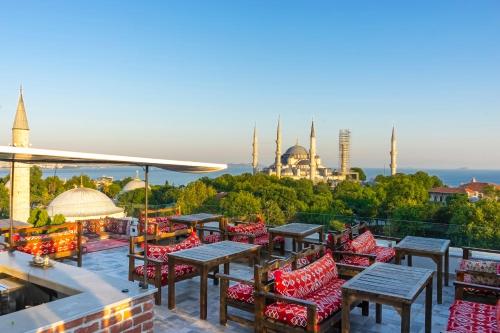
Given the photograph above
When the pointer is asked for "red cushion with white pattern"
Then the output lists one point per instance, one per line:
(160, 252)
(180, 271)
(384, 254)
(212, 238)
(328, 300)
(364, 243)
(49, 243)
(472, 317)
(306, 280)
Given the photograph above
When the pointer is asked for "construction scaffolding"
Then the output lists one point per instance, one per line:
(344, 151)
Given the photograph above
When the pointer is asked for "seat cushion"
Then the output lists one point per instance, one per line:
(328, 300)
(212, 238)
(180, 271)
(304, 281)
(364, 243)
(472, 317)
(160, 252)
(383, 253)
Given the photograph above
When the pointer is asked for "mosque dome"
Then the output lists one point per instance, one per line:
(297, 151)
(134, 184)
(83, 203)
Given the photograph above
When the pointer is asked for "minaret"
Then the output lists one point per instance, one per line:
(394, 152)
(312, 154)
(277, 162)
(255, 151)
(21, 182)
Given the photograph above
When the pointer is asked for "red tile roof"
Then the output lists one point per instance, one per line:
(447, 190)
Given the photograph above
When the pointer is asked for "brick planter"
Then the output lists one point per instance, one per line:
(126, 317)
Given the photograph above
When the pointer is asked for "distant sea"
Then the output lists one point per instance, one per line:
(451, 177)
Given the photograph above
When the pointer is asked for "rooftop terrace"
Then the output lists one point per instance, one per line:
(185, 317)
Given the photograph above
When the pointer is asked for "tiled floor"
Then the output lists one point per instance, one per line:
(185, 318)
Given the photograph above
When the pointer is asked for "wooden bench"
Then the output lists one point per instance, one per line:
(281, 306)
(467, 316)
(63, 241)
(157, 269)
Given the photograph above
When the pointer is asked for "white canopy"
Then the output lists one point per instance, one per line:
(35, 155)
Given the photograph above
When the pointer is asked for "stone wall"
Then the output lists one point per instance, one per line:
(127, 317)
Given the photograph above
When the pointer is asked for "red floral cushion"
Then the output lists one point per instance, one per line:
(117, 226)
(306, 280)
(384, 254)
(256, 229)
(212, 238)
(180, 271)
(160, 252)
(364, 243)
(328, 300)
(50, 243)
(472, 317)
(481, 266)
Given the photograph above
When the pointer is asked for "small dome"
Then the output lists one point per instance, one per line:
(81, 203)
(296, 150)
(134, 184)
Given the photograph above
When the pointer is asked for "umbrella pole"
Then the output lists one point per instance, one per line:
(11, 227)
(146, 181)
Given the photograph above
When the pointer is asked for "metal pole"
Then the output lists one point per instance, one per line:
(11, 229)
(146, 181)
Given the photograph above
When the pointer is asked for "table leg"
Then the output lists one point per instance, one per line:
(398, 257)
(439, 279)
(294, 245)
(405, 318)
(446, 266)
(200, 232)
(226, 268)
(203, 292)
(321, 236)
(171, 283)
(428, 307)
(346, 312)
(300, 244)
(270, 246)
(378, 313)
(410, 260)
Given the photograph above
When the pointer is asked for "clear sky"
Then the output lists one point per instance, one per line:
(188, 79)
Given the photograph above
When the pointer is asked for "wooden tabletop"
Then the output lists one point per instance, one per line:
(195, 218)
(296, 229)
(393, 282)
(220, 251)
(424, 245)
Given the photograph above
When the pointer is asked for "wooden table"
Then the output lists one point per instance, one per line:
(205, 258)
(389, 284)
(296, 231)
(191, 221)
(433, 248)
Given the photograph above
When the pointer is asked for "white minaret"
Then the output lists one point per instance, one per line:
(255, 151)
(312, 154)
(20, 184)
(394, 152)
(277, 161)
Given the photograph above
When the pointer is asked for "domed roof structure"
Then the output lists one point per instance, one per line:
(134, 184)
(296, 150)
(83, 203)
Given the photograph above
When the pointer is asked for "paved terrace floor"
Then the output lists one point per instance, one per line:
(185, 318)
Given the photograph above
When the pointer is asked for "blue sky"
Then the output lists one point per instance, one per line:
(188, 79)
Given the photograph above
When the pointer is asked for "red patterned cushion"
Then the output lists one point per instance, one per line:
(180, 271)
(255, 229)
(472, 317)
(481, 266)
(364, 243)
(328, 300)
(117, 226)
(384, 254)
(160, 252)
(212, 238)
(308, 279)
(50, 243)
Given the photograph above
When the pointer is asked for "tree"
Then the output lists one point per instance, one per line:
(360, 172)
(38, 189)
(4, 201)
(77, 181)
(39, 217)
(240, 204)
(111, 190)
(194, 195)
(362, 200)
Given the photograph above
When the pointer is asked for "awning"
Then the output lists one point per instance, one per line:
(35, 155)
